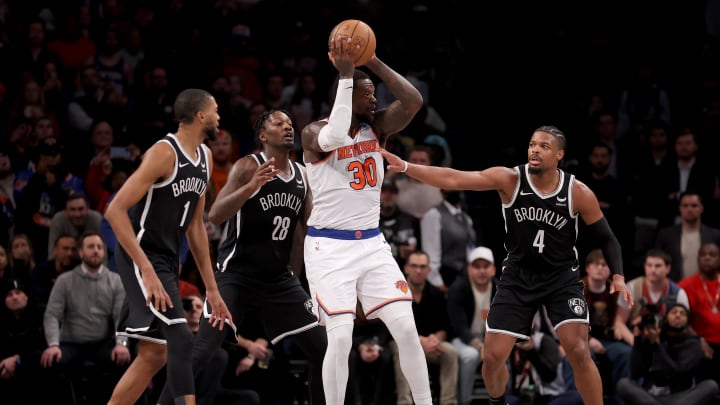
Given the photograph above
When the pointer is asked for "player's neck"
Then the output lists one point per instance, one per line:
(546, 181)
(189, 139)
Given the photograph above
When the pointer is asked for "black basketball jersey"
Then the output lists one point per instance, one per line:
(161, 218)
(257, 239)
(541, 230)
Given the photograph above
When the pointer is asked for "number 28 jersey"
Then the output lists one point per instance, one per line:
(162, 217)
(541, 229)
(257, 240)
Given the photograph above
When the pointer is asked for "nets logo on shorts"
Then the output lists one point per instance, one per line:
(577, 305)
(309, 307)
(402, 286)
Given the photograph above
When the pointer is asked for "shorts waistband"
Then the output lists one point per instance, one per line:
(343, 234)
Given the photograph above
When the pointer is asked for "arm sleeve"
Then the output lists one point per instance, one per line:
(332, 135)
(609, 244)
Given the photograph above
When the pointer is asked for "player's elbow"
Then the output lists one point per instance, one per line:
(214, 217)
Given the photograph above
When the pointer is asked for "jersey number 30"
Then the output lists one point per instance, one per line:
(539, 241)
(364, 173)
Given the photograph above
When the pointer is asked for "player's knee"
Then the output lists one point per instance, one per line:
(180, 342)
(578, 352)
(152, 354)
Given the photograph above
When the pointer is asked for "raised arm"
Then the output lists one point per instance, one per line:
(408, 100)
(244, 179)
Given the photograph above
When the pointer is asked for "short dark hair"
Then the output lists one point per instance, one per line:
(357, 76)
(660, 254)
(554, 131)
(188, 103)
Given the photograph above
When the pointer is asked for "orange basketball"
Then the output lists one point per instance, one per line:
(361, 33)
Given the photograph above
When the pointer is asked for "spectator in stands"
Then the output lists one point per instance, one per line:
(666, 358)
(75, 220)
(468, 305)
(80, 328)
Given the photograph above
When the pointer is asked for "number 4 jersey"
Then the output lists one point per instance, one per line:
(162, 217)
(256, 241)
(541, 229)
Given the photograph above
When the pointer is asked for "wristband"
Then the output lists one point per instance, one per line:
(250, 356)
(405, 167)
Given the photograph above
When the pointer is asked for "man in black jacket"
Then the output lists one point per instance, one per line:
(665, 360)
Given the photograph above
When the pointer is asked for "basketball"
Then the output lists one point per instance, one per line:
(361, 33)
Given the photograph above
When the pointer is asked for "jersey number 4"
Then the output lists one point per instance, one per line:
(539, 241)
(364, 173)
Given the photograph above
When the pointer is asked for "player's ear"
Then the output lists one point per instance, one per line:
(561, 154)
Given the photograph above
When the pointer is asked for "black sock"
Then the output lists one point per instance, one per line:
(497, 401)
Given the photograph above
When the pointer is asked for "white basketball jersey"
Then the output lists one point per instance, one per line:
(346, 184)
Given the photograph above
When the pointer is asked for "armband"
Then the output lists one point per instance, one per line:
(609, 245)
(332, 135)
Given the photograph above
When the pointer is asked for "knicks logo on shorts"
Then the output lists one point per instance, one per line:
(309, 307)
(402, 286)
(577, 305)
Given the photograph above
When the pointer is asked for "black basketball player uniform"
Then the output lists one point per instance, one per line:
(252, 264)
(541, 267)
(160, 221)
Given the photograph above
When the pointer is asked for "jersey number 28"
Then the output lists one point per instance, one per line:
(282, 225)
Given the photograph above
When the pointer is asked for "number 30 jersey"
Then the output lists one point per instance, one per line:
(541, 229)
(256, 241)
(346, 184)
(162, 217)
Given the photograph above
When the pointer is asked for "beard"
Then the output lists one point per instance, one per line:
(210, 132)
(600, 170)
(534, 170)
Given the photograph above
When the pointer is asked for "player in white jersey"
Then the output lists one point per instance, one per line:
(346, 256)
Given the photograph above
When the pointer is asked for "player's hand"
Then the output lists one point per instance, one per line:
(156, 294)
(259, 349)
(264, 173)
(618, 284)
(395, 164)
(342, 55)
(220, 311)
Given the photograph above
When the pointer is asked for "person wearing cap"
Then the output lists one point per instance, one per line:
(469, 301)
(21, 343)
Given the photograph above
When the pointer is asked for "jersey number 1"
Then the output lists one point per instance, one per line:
(539, 241)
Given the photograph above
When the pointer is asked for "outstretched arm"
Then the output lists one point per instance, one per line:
(498, 178)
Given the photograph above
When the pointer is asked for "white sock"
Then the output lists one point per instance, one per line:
(412, 357)
(335, 365)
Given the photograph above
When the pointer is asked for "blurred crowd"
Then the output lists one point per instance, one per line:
(87, 86)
